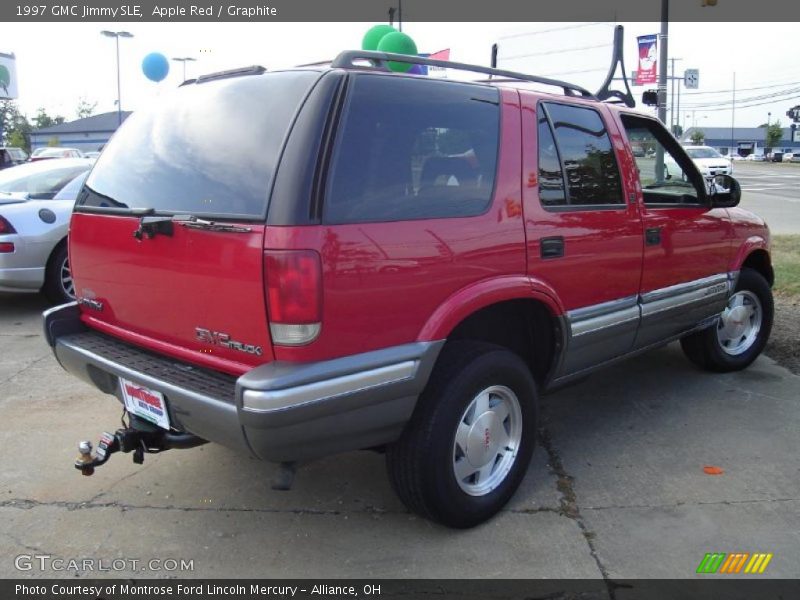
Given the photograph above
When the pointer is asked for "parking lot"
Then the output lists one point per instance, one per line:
(773, 191)
(617, 489)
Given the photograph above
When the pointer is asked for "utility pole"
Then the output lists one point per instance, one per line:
(662, 62)
(733, 113)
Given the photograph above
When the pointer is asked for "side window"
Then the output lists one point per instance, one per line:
(551, 177)
(659, 158)
(413, 149)
(586, 154)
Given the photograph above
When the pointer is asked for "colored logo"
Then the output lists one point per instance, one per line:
(735, 562)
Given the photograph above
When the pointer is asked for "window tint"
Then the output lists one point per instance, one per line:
(663, 180)
(413, 149)
(551, 178)
(205, 149)
(587, 155)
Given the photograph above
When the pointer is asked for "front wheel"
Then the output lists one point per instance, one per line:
(742, 331)
(470, 440)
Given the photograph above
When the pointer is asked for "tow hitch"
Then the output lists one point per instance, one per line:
(140, 438)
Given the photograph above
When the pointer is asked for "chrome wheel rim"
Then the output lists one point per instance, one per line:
(740, 323)
(487, 440)
(65, 276)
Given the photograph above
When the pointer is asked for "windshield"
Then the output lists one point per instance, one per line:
(41, 177)
(207, 149)
(703, 153)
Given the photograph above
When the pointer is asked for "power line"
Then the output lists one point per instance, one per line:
(747, 105)
(775, 96)
(760, 87)
(541, 31)
(558, 51)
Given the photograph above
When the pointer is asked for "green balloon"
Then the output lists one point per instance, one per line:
(398, 43)
(374, 35)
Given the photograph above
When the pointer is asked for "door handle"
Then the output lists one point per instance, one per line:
(652, 236)
(551, 247)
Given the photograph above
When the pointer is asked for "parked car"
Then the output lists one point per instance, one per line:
(710, 162)
(791, 157)
(33, 228)
(753, 157)
(56, 152)
(11, 156)
(241, 297)
(93, 154)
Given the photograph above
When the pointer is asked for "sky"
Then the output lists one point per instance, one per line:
(58, 64)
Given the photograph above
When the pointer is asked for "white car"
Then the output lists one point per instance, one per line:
(710, 162)
(36, 201)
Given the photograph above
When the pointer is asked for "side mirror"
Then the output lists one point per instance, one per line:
(724, 191)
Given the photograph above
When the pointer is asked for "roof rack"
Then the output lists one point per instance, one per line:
(346, 60)
(251, 70)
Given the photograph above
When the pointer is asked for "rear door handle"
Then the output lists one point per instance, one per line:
(652, 236)
(551, 247)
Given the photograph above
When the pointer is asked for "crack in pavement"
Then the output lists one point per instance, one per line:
(25, 368)
(19, 542)
(696, 503)
(569, 506)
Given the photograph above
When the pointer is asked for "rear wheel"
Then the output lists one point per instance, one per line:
(742, 330)
(58, 285)
(469, 443)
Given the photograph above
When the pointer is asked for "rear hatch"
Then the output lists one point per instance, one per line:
(166, 242)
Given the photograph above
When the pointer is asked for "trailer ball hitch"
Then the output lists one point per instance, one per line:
(140, 438)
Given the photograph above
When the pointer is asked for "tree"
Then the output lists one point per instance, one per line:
(17, 140)
(773, 134)
(42, 119)
(698, 137)
(85, 108)
(14, 125)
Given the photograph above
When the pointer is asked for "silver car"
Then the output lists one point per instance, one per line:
(36, 201)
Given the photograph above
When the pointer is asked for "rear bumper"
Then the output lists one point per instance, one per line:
(278, 411)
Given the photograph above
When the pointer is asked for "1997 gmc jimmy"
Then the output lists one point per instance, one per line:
(316, 260)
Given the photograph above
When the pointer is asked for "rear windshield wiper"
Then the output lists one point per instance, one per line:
(193, 222)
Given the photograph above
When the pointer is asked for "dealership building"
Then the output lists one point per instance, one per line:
(84, 134)
(741, 140)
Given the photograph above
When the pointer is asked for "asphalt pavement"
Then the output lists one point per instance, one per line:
(617, 489)
(771, 190)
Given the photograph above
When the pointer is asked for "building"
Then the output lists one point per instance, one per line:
(84, 134)
(746, 140)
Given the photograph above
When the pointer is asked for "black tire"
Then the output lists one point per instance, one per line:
(704, 348)
(421, 463)
(54, 285)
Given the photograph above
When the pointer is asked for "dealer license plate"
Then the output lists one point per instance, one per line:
(145, 403)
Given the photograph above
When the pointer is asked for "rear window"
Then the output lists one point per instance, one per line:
(206, 149)
(413, 149)
(41, 179)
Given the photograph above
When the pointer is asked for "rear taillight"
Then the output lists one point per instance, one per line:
(5, 226)
(6, 247)
(293, 280)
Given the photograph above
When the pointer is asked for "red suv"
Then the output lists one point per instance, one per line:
(316, 260)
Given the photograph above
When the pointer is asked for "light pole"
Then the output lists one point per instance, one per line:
(116, 35)
(766, 134)
(184, 60)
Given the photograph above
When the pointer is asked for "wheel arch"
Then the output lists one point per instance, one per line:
(754, 254)
(517, 313)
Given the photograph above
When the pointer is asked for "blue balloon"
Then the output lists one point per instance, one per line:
(155, 66)
(417, 70)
